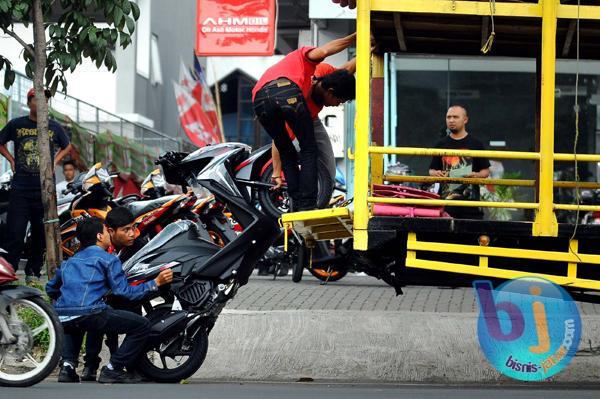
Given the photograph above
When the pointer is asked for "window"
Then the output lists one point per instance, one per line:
(142, 44)
(156, 76)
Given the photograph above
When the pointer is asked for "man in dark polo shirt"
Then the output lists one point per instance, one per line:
(453, 166)
(281, 98)
(25, 204)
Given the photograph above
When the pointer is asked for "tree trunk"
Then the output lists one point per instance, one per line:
(51, 226)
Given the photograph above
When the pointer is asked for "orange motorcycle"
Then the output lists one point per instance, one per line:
(92, 199)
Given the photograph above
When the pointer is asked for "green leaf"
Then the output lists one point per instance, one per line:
(135, 10)
(114, 35)
(54, 85)
(29, 70)
(130, 24)
(9, 78)
(118, 16)
(126, 7)
(124, 40)
(99, 57)
(49, 74)
(4, 5)
(108, 61)
(92, 36)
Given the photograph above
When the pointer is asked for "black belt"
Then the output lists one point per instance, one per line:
(281, 82)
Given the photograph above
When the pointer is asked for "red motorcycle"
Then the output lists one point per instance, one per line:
(31, 336)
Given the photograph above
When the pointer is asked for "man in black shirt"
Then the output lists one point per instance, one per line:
(25, 204)
(451, 166)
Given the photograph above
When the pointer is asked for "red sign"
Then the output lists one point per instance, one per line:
(235, 27)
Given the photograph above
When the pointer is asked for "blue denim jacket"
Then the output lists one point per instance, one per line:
(83, 280)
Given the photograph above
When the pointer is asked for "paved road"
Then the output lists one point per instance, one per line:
(286, 391)
(357, 293)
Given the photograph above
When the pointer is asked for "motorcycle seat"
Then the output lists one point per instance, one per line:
(140, 207)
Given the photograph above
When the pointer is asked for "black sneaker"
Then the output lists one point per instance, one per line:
(88, 374)
(67, 374)
(108, 376)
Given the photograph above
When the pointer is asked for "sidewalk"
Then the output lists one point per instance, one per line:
(357, 330)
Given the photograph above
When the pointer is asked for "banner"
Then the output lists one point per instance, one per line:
(193, 120)
(203, 95)
(235, 27)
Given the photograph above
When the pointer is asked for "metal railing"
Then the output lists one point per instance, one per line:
(95, 120)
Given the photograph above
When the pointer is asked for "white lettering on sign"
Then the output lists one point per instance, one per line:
(237, 21)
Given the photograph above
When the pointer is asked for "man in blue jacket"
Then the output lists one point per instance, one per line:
(79, 287)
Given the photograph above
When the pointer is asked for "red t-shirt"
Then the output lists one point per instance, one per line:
(295, 66)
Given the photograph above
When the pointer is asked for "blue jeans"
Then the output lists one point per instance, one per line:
(135, 327)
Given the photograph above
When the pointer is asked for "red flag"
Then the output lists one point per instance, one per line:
(194, 120)
(201, 92)
(199, 121)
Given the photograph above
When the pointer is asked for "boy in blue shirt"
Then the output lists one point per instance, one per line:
(79, 287)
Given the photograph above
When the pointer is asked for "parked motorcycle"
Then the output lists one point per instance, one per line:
(93, 198)
(590, 197)
(206, 275)
(31, 336)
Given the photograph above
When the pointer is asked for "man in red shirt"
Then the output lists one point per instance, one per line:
(283, 96)
(325, 155)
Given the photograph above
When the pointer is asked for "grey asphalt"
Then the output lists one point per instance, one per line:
(287, 391)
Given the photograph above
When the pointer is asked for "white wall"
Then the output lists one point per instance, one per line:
(96, 86)
(220, 67)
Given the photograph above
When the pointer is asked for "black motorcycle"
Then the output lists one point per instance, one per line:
(206, 275)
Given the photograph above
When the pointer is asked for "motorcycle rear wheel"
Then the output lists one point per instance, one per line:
(158, 367)
(276, 202)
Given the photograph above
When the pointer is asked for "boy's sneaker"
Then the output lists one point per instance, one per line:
(67, 373)
(108, 376)
(88, 374)
(32, 280)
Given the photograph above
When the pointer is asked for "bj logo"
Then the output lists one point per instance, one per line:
(518, 335)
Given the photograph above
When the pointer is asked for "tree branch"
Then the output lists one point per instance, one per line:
(21, 42)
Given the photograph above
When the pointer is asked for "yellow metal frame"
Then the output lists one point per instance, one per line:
(320, 224)
(549, 11)
(368, 157)
(573, 258)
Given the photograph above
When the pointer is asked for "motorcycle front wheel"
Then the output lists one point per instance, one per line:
(36, 349)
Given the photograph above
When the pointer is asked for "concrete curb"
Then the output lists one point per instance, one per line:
(359, 346)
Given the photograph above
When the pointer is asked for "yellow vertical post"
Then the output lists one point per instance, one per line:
(363, 129)
(545, 220)
(572, 266)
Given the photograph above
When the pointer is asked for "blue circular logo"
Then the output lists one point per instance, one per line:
(529, 328)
